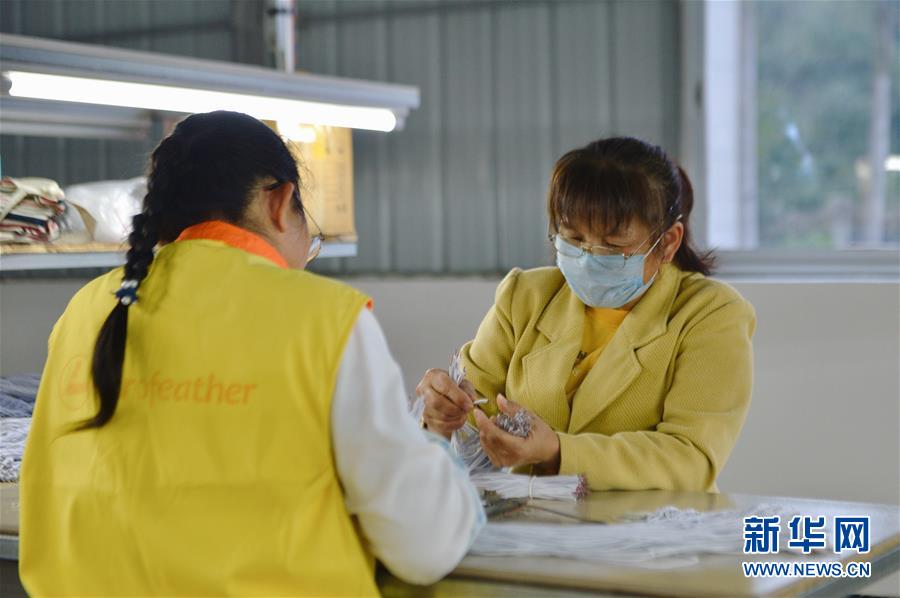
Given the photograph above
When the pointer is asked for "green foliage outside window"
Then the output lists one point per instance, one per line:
(816, 66)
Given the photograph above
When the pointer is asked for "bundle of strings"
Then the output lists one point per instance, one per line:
(465, 440)
(669, 537)
(551, 487)
(518, 424)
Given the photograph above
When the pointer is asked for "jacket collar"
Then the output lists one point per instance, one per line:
(564, 315)
(233, 236)
(649, 318)
(563, 322)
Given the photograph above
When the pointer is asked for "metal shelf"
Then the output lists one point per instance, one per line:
(33, 117)
(12, 262)
(9, 547)
(47, 118)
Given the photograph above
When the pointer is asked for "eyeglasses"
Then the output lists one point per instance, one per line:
(617, 259)
(316, 240)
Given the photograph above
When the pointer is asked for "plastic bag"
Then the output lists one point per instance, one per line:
(107, 207)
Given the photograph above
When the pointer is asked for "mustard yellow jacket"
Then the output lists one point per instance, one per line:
(662, 407)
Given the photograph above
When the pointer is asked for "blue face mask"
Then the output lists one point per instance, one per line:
(602, 280)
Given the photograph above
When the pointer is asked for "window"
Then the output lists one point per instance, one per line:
(802, 127)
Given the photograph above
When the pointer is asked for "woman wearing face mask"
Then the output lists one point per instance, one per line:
(635, 367)
(214, 420)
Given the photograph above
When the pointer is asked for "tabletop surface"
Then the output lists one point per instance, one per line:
(9, 508)
(712, 575)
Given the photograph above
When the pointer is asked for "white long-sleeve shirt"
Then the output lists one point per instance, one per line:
(412, 496)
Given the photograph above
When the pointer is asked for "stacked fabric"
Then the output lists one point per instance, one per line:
(17, 395)
(13, 433)
(30, 210)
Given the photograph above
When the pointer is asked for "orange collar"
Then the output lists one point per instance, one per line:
(234, 236)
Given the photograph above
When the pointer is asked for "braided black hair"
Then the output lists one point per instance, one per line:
(208, 168)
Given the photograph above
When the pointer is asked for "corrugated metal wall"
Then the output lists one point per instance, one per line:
(507, 87)
(213, 29)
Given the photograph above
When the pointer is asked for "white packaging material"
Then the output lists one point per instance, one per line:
(108, 206)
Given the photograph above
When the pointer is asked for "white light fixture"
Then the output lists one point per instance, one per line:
(191, 100)
(892, 163)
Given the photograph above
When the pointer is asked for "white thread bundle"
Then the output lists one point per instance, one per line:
(465, 440)
(13, 432)
(510, 485)
(457, 369)
(9, 469)
(669, 537)
(518, 424)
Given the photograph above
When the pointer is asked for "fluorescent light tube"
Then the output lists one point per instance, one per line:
(188, 100)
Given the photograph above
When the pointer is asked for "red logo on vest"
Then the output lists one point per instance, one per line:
(73, 383)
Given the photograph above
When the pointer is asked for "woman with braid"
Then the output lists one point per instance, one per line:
(212, 419)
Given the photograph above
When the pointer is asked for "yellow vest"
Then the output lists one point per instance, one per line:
(215, 475)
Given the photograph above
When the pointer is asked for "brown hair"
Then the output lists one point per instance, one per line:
(609, 182)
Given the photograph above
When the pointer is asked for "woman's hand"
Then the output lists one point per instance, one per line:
(541, 448)
(446, 404)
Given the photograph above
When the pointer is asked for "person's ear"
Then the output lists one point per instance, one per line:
(671, 241)
(280, 205)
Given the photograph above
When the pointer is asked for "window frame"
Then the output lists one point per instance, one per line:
(698, 145)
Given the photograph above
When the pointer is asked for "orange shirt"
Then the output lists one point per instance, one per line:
(600, 325)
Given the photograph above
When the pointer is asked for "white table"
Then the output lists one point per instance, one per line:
(713, 575)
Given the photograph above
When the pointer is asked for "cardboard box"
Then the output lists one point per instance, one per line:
(325, 160)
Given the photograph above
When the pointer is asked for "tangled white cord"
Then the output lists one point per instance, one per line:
(669, 537)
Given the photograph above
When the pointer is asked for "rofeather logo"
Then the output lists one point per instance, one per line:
(73, 383)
